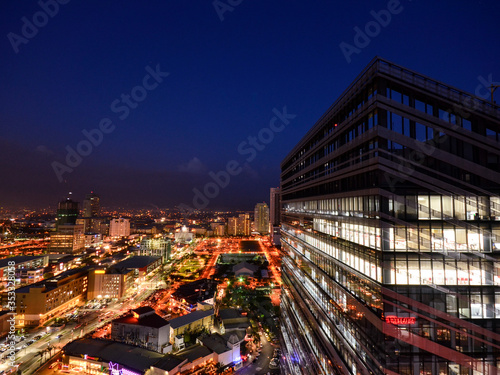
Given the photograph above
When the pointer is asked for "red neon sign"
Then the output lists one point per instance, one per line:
(399, 320)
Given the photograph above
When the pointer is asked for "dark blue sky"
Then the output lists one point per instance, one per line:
(225, 79)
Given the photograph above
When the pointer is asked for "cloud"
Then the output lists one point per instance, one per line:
(194, 166)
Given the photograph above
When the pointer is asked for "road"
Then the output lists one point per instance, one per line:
(30, 359)
(261, 365)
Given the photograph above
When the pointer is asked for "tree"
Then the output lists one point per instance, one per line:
(219, 368)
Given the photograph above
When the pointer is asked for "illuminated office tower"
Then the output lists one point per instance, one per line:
(391, 225)
(67, 212)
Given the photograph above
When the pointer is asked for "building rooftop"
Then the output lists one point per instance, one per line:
(53, 282)
(136, 262)
(196, 291)
(143, 310)
(229, 314)
(190, 318)
(245, 265)
(194, 352)
(215, 342)
(150, 320)
(18, 259)
(129, 356)
(169, 362)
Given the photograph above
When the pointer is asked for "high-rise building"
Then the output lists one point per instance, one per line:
(275, 216)
(91, 205)
(261, 218)
(391, 223)
(275, 207)
(119, 227)
(67, 212)
(232, 226)
(239, 226)
(244, 225)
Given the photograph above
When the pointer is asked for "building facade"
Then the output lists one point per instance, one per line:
(161, 247)
(144, 328)
(119, 227)
(68, 239)
(67, 212)
(391, 224)
(110, 283)
(261, 218)
(91, 205)
(39, 302)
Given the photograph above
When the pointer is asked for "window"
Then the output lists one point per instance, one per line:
(420, 132)
(420, 106)
(466, 124)
(396, 123)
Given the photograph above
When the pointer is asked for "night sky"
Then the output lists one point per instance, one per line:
(230, 71)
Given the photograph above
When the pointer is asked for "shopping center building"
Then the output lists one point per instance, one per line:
(391, 223)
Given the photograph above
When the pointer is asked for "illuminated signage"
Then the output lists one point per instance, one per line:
(114, 370)
(400, 320)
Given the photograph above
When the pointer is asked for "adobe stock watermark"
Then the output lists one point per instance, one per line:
(30, 28)
(249, 148)
(122, 107)
(363, 37)
(416, 157)
(223, 6)
(11, 305)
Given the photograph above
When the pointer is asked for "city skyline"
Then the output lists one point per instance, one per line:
(217, 87)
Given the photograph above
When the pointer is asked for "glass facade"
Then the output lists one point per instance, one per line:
(391, 229)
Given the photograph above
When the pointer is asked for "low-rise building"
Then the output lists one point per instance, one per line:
(4, 322)
(19, 263)
(110, 283)
(191, 322)
(143, 327)
(29, 275)
(232, 320)
(140, 265)
(226, 349)
(68, 239)
(37, 303)
(189, 295)
(97, 357)
(245, 269)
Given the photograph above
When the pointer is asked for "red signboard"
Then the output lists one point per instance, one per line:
(400, 320)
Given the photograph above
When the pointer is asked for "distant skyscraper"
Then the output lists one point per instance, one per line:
(275, 216)
(119, 227)
(232, 226)
(239, 226)
(244, 225)
(91, 205)
(275, 207)
(67, 211)
(261, 218)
